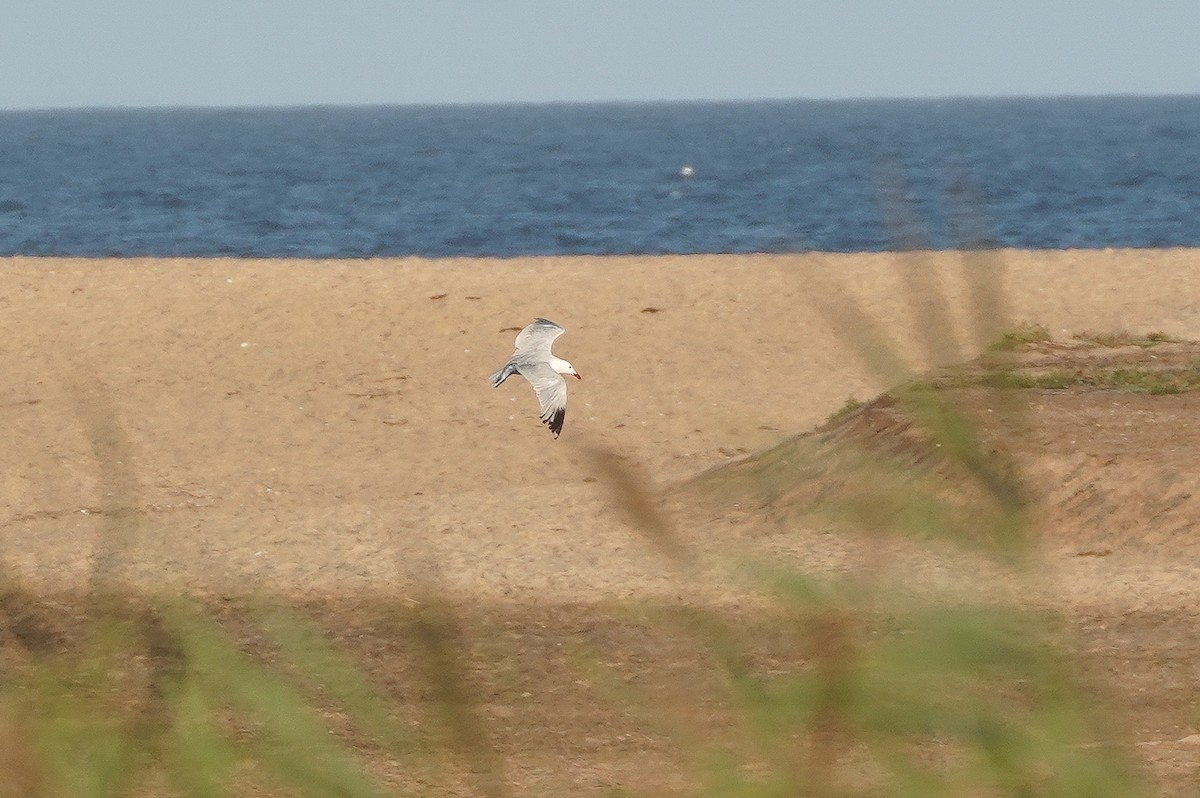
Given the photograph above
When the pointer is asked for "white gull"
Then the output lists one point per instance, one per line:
(533, 360)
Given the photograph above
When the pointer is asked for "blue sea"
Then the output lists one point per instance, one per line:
(777, 176)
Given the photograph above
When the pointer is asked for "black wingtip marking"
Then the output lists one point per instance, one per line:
(555, 422)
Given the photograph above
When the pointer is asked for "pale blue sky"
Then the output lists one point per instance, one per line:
(69, 53)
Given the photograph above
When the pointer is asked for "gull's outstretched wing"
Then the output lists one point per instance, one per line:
(551, 390)
(538, 337)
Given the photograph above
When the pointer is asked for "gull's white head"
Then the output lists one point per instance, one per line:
(563, 367)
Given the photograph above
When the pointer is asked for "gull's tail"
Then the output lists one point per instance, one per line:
(502, 375)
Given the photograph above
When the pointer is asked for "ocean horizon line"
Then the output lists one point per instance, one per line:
(571, 103)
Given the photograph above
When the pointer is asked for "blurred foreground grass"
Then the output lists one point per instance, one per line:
(895, 688)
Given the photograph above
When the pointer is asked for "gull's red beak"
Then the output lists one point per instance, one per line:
(578, 376)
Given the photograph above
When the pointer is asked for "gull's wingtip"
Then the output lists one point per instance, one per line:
(555, 421)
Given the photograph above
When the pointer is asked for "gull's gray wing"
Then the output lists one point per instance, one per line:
(538, 337)
(551, 390)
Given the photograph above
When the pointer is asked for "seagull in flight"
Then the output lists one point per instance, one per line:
(533, 360)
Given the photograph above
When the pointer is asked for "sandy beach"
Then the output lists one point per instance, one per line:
(301, 425)
(323, 430)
